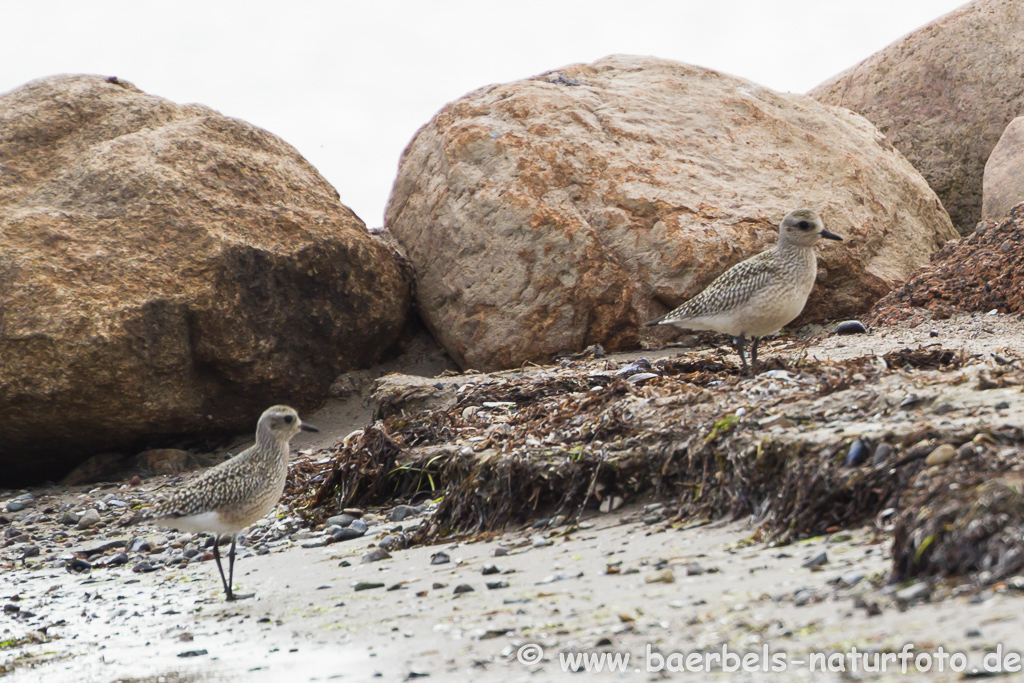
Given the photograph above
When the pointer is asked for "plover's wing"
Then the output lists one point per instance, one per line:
(732, 288)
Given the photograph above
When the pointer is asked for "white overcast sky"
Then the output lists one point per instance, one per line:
(349, 83)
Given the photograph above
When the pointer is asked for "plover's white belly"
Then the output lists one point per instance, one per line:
(211, 522)
(766, 312)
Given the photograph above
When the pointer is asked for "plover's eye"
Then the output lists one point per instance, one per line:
(288, 419)
(803, 225)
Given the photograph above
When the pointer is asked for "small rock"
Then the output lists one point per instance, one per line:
(967, 450)
(463, 588)
(440, 558)
(144, 567)
(919, 591)
(940, 455)
(192, 653)
(344, 563)
(802, 597)
(860, 451)
(777, 421)
(29, 551)
(500, 552)
(340, 520)
(489, 569)
(541, 542)
(851, 327)
(695, 569)
(818, 560)
(873, 609)
(88, 519)
(973, 633)
(78, 565)
(851, 579)
(394, 542)
(324, 540)
(15, 506)
(402, 512)
(495, 585)
(70, 518)
(359, 525)
(346, 534)
(662, 576)
(11, 609)
(944, 408)
(1002, 405)
(136, 480)
(882, 454)
(367, 585)
(376, 555)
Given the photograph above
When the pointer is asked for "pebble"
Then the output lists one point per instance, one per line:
(495, 585)
(440, 558)
(366, 585)
(973, 633)
(88, 519)
(940, 455)
(78, 565)
(346, 534)
(375, 555)
(489, 569)
(340, 520)
(70, 518)
(662, 576)
(802, 597)
(395, 541)
(851, 579)
(464, 588)
(359, 525)
(15, 506)
(1002, 405)
(402, 512)
(882, 454)
(967, 450)
(541, 542)
(817, 561)
(851, 327)
(944, 408)
(192, 653)
(324, 540)
(919, 591)
(860, 451)
(30, 551)
(500, 552)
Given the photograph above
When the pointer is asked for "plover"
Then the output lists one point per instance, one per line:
(236, 493)
(759, 296)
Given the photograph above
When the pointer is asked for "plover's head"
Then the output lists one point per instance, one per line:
(281, 423)
(804, 228)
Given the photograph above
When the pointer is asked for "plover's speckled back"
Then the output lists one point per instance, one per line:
(759, 296)
(236, 493)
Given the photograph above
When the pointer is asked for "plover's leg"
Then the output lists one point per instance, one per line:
(216, 556)
(231, 566)
(738, 343)
(753, 354)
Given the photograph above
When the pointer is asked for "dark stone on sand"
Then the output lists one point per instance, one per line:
(346, 534)
(851, 327)
(463, 588)
(440, 558)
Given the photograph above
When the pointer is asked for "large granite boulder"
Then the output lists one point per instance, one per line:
(548, 214)
(166, 270)
(1003, 186)
(943, 95)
